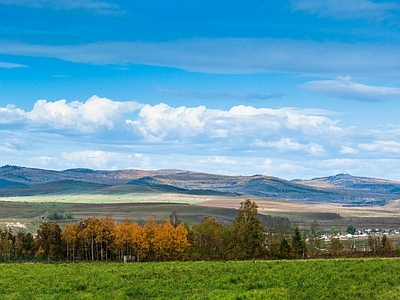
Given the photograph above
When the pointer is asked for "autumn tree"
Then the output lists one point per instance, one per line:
(88, 234)
(174, 241)
(70, 236)
(164, 241)
(105, 229)
(130, 241)
(247, 233)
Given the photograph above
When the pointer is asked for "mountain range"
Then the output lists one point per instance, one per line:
(340, 189)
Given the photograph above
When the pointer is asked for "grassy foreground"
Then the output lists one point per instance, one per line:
(312, 279)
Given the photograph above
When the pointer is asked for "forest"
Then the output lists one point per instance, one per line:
(245, 238)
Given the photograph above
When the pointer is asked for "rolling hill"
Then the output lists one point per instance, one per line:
(340, 189)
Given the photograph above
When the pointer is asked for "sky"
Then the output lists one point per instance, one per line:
(291, 88)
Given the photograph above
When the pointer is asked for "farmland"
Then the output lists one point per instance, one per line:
(28, 194)
(300, 279)
(28, 210)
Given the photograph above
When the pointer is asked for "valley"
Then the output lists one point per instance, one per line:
(26, 195)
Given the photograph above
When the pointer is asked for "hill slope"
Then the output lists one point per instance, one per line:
(341, 188)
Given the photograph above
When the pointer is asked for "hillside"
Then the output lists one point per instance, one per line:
(348, 182)
(340, 189)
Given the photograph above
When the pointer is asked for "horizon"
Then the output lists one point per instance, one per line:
(191, 171)
(293, 89)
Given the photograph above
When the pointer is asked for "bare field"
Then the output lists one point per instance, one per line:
(28, 210)
(327, 215)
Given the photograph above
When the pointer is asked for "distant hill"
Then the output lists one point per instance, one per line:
(340, 189)
(348, 182)
(6, 183)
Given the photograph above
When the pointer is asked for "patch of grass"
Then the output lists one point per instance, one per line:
(314, 279)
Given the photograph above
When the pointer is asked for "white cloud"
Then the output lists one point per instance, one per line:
(344, 87)
(348, 150)
(8, 65)
(95, 113)
(103, 159)
(344, 9)
(219, 160)
(381, 146)
(162, 122)
(284, 142)
(11, 114)
(288, 144)
(158, 121)
(226, 55)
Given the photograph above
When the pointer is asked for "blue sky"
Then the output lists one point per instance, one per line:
(291, 88)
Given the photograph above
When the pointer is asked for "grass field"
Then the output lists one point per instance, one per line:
(107, 198)
(312, 279)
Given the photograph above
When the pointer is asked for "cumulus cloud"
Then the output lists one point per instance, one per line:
(344, 87)
(243, 139)
(226, 55)
(8, 65)
(94, 114)
(162, 122)
(11, 115)
(344, 9)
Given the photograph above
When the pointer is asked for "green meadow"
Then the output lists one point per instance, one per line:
(298, 279)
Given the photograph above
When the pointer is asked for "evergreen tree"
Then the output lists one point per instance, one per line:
(298, 244)
(284, 249)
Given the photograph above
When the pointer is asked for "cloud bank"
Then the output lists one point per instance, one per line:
(103, 133)
(226, 55)
(344, 87)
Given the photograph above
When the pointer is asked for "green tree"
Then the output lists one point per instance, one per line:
(334, 231)
(277, 229)
(351, 229)
(209, 239)
(298, 244)
(247, 233)
(284, 249)
(49, 239)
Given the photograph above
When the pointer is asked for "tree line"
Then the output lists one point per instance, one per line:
(246, 237)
